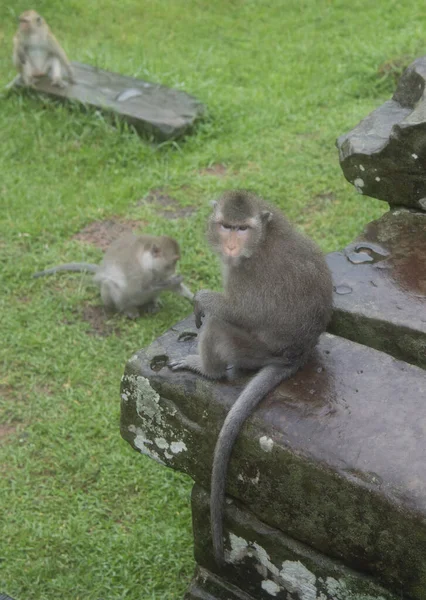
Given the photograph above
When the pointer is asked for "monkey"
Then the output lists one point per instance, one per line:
(36, 52)
(133, 272)
(276, 302)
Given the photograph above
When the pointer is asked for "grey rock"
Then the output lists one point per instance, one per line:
(265, 562)
(151, 108)
(324, 458)
(206, 586)
(380, 286)
(384, 156)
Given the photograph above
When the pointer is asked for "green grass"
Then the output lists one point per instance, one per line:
(84, 516)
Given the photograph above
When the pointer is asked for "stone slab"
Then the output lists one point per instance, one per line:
(206, 586)
(265, 563)
(151, 108)
(384, 156)
(335, 457)
(380, 286)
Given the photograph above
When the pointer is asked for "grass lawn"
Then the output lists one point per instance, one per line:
(83, 516)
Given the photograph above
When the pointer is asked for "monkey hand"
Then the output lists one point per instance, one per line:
(175, 280)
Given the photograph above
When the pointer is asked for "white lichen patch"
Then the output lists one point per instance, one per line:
(415, 156)
(297, 579)
(362, 167)
(422, 203)
(125, 397)
(377, 179)
(255, 480)
(177, 447)
(270, 587)
(142, 443)
(266, 443)
(239, 548)
(264, 559)
(161, 443)
(359, 184)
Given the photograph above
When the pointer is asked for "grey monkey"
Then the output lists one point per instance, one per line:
(36, 52)
(276, 302)
(133, 272)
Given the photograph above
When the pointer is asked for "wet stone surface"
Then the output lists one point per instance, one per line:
(380, 286)
(384, 156)
(266, 563)
(152, 109)
(324, 458)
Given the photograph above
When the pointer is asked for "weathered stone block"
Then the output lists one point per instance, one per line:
(384, 156)
(152, 109)
(334, 457)
(266, 563)
(206, 586)
(380, 286)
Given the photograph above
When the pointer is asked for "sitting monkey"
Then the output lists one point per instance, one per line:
(276, 302)
(36, 52)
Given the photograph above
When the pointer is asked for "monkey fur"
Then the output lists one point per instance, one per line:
(133, 272)
(276, 302)
(36, 52)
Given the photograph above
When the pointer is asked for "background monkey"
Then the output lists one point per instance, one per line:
(277, 300)
(36, 52)
(133, 272)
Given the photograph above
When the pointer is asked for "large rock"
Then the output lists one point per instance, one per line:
(384, 156)
(335, 457)
(151, 108)
(380, 286)
(264, 562)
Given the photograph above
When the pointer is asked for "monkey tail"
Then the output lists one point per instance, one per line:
(78, 267)
(261, 384)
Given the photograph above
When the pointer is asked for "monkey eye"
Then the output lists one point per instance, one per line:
(242, 227)
(226, 227)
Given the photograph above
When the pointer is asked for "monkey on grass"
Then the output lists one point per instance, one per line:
(36, 52)
(133, 272)
(276, 302)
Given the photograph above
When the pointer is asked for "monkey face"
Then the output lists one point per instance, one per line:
(233, 239)
(29, 21)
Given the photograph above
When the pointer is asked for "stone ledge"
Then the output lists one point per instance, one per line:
(324, 458)
(265, 563)
(206, 586)
(384, 155)
(151, 108)
(380, 287)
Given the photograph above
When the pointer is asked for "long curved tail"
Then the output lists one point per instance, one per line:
(261, 384)
(87, 267)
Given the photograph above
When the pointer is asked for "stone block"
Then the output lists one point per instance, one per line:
(151, 108)
(265, 563)
(384, 156)
(334, 457)
(380, 286)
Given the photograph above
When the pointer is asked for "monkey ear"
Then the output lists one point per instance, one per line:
(39, 20)
(155, 250)
(265, 216)
(213, 203)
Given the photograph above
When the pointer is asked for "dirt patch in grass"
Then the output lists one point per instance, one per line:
(6, 431)
(217, 170)
(102, 233)
(167, 206)
(97, 317)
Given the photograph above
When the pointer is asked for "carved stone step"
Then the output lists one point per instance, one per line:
(380, 286)
(151, 108)
(384, 156)
(335, 457)
(265, 563)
